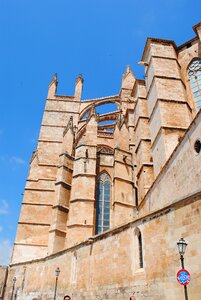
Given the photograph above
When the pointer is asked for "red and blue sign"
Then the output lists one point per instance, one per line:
(183, 276)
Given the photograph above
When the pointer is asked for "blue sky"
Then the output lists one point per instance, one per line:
(97, 38)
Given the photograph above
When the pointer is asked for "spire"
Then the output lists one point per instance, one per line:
(78, 87)
(52, 87)
(54, 79)
(128, 69)
(128, 80)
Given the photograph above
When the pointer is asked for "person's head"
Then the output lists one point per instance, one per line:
(67, 297)
(132, 298)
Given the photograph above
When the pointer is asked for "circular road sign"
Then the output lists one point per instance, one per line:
(183, 276)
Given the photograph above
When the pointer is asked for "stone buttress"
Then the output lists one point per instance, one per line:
(45, 201)
(169, 112)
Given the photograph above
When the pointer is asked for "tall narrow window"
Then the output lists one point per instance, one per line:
(136, 196)
(140, 249)
(74, 268)
(103, 203)
(194, 74)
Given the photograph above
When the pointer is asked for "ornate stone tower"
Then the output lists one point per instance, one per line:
(113, 184)
(66, 200)
(91, 170)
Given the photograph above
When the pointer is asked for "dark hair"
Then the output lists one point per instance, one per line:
(67, 297)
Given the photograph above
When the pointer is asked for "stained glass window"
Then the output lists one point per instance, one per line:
(103, 203)
(194, 74)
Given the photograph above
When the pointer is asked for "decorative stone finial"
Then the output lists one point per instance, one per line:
(54, 79)
(53, 87)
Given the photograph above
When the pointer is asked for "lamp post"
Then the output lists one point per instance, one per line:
(57, 271)
(182, 248)
(13, 288)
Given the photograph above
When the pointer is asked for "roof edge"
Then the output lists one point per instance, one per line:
(157, 41)
(196, 26)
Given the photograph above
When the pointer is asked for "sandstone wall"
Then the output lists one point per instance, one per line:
(154, 151)
(180, 177)
(107, 266)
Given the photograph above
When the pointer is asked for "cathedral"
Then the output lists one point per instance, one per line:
(113, 185)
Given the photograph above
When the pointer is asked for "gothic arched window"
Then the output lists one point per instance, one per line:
(194, 74)
(103, 203)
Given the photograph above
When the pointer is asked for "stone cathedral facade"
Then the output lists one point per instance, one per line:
(110, 192)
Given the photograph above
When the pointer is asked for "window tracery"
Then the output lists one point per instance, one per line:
(194, 75)
(103, 203)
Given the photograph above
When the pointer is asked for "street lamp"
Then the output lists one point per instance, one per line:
(182, 248)
(14, 281)
(57, 271)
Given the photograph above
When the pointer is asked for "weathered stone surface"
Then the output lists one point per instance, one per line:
(149, 161)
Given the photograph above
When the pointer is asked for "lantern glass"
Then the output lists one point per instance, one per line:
(182, 246)
(57, 271)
